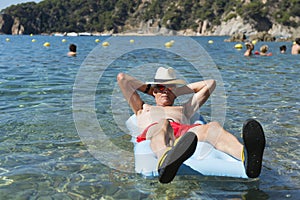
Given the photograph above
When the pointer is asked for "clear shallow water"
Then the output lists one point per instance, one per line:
(43, 157)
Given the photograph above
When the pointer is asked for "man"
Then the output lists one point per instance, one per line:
(249, 50)
(173, 140)
(282, 49)
(296, 47)
(73, 49)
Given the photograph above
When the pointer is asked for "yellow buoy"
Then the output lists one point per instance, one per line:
(254, 42)
(31, 34)
(64, 40)
(33, 40)
(168, 44)
(294, 43)
(238, 46)
(131, 41)
(210, 41)
(46, 44)
(105, 44)
(7, 39)
(97, 40)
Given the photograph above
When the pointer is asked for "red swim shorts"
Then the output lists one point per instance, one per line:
(179, 130)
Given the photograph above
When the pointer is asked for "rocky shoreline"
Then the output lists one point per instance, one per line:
(235, 28)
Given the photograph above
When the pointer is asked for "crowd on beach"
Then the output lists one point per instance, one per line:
(264, 49)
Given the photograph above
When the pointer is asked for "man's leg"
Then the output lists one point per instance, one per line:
(252, 151)
(221, 139)
(171, 154)
(184, 147)
(161, 136)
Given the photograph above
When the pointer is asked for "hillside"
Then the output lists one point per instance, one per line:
(193, 17)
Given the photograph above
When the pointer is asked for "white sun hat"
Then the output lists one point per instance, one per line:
(166, 76)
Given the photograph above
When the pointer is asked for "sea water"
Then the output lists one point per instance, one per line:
(43, 150)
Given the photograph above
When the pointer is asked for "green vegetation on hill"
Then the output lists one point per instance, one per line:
(120, 15)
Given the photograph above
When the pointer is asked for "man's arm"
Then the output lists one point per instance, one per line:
(202, 90)
(129, 86)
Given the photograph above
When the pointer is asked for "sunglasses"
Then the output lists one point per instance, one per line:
(162, 88)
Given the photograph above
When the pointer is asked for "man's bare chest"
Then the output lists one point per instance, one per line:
(151, 114)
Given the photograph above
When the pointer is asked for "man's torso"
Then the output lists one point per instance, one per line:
(296, 49)
(151, 114)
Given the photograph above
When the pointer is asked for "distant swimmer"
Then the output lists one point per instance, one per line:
(296, 47)
(72, 49)
(263, 51)
(282, 49)
(249, 50)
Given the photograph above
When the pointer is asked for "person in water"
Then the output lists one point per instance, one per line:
(72, 50)
(249, 50)
(263, 51)
(173, 139)
(282, 49)
(296, 47)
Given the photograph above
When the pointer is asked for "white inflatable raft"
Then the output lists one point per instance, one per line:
(205, 161)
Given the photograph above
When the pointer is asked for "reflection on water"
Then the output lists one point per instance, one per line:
(42, 156)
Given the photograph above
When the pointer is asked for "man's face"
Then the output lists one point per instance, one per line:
(164, 95)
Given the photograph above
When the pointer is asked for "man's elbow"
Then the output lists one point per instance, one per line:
(211, 84)
(120, 77)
